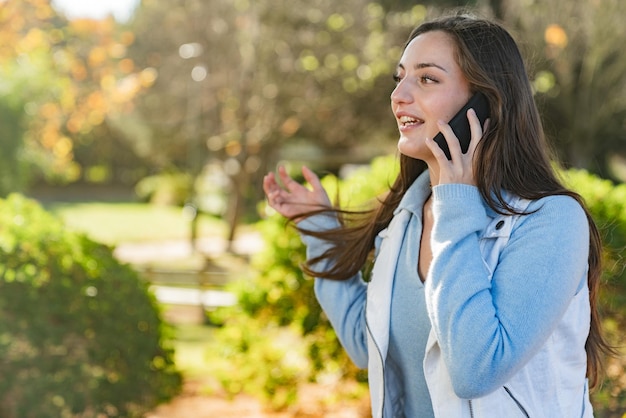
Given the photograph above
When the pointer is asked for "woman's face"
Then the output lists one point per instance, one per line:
(430, 87)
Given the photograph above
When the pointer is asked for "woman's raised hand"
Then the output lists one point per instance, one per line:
(294, 199)
(460, 169)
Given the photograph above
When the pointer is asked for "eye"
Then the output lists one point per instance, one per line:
(397, 78)
(428, 79)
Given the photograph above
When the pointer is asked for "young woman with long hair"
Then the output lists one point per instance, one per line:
(483, 296)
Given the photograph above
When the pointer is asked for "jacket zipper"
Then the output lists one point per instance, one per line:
(519, 405)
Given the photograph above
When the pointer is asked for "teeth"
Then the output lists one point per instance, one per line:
(407, 119)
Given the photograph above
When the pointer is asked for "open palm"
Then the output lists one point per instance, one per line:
(294, 199)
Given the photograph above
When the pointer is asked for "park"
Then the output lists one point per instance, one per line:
(142, 271)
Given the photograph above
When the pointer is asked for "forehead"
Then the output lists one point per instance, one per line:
(435, 47)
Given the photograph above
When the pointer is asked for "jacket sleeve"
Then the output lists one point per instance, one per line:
(343, 302)
(489, 328)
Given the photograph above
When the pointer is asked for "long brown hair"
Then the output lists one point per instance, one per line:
(512, 156)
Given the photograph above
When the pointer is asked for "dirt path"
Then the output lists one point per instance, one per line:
(315, 403)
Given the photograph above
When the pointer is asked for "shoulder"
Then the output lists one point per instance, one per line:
(559, 213)
(561, 205)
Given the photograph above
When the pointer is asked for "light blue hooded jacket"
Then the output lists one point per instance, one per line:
(507, 300)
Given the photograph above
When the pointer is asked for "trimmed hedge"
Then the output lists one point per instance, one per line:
(80, 333)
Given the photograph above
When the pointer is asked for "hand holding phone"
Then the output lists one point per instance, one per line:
(460, 124)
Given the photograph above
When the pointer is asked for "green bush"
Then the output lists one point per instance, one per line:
(607, 204)
(280, 296)
(277, 305)
(80, 334)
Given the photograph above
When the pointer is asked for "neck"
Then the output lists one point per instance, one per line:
(433, 171)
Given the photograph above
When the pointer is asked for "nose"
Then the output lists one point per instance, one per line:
(401, 93)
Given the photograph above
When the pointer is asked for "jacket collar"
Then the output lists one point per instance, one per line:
(417, 193)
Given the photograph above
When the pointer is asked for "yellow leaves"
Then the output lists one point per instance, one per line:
(84, 27)
(147, 77)
(233, 148)
(97, 56)
(96, 117)
(63, 148)
(78, 71)
(49, 136)
(18, 18)
(127, 38)
(126, 66)
(290, 126)
(34, 39)
(107, 82)
(556, 40)
(75, 123)
(96, 101)
(50, 111)
(555, 36)
(44, 11)
(117, 50)
(125, 89)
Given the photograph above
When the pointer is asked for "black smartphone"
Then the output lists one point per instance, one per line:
(460, 124)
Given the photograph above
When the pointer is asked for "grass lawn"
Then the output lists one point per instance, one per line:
(113, 223)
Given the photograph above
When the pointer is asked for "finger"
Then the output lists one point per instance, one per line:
(289, 183)
(437, 152)
(475, 129)
(487, 124)
(454, 146)
(311, 178)
(269, 182)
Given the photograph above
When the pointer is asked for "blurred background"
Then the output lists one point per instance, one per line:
(135, 135)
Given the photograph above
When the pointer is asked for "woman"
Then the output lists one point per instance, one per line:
(482, 300)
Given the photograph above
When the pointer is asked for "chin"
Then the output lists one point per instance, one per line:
(413, 149)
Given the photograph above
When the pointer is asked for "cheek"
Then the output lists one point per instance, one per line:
(446, 108)
(432, 128)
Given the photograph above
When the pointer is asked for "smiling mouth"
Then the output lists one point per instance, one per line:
(406, 121)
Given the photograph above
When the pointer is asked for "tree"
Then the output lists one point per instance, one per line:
(268, 79)
(60, 80)
(579, 76)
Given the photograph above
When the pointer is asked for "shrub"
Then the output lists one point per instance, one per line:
(278, 304)
(607, 204)
(80, 334)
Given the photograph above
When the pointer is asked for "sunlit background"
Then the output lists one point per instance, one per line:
(121, 10)
(142, 273)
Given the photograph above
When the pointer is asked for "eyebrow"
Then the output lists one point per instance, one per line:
(421, 65)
